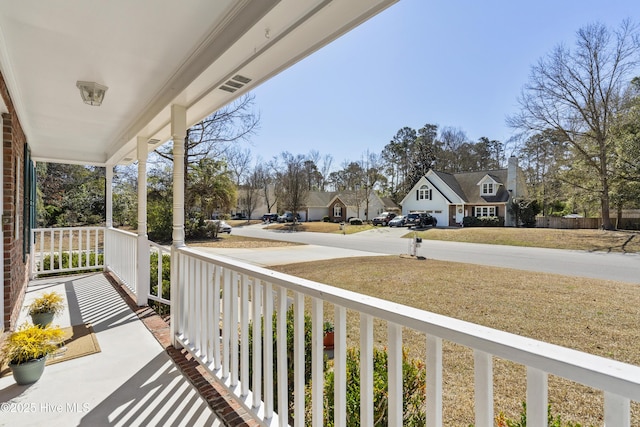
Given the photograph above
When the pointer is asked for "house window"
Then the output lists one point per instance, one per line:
(423, 193)
(337, 211)
(486, 211)
(488, 188)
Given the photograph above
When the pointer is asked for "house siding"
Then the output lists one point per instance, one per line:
(15, 274)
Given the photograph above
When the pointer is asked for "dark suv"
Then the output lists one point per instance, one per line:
(270, 217)
(420, 220)
(383, 219)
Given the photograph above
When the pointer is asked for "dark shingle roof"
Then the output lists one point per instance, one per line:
(465, 185)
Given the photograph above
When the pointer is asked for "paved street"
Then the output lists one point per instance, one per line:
(388, 241)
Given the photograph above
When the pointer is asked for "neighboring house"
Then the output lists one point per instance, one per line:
(451, 197)
(342, 205)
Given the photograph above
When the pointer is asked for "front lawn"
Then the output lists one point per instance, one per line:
(594, 316)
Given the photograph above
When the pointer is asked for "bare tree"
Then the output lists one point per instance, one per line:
(577, 93)
(214, 135)
(238, 161)
(292, 177)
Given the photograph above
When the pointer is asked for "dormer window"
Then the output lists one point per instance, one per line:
(423, 193)
(488, 186)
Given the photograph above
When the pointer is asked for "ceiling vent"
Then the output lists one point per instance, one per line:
(236, 82)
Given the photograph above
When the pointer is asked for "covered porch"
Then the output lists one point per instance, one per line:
(128, 379)
(162, 79)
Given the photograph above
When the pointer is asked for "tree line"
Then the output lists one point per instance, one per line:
(578, 143)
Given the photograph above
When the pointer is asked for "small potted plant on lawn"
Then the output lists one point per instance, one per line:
(44, 308)
(26, 350)
(328, 335)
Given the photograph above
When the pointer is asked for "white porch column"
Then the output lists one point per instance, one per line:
(142, 271)
(109, 196)
(178, 132)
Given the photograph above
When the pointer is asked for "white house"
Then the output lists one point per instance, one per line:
(451, 197)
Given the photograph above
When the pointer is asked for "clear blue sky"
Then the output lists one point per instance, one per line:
(447, 62)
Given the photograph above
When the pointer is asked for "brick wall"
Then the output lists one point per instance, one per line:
(15, 274)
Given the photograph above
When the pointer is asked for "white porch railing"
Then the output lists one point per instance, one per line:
(219, 340)
(215, 298)
(121, 256)
(65, 249)
(94, 248)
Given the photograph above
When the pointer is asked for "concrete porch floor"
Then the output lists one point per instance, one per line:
(137, 379)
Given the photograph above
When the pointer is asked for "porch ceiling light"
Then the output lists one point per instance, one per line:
(92, 93)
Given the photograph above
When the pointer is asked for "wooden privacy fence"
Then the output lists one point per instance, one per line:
(560, 222)
(587, 223)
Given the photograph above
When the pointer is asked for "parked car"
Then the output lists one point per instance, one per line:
(398, 221)
(239, 216)
(288, 217)
(270, 217)
(383, 219)
(223, 227)
(420, 220)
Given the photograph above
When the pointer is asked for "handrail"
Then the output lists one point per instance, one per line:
(66, 249)
(202, 272)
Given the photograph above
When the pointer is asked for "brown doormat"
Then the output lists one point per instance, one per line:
(79, 341)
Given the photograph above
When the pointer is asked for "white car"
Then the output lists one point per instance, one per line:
(223, 227)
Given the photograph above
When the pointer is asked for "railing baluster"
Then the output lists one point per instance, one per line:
(395, 374)
(340, 367)
(226, 322)
(434, 381)
(210, 324)
(283, 398)
(483, 367)
(617, 411)
(234, 329)
(299, 355)
(79, 252)
(244, 334)
(268, 350)
(216, 316)
(257, 343)
(317, 360)
(537, 397)
(198, 304)
(366, 369)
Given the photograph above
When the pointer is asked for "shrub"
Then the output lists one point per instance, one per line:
(325, 218)
(414, 386)
(290, 364)
(503, 421)
(355, 221)
(483, 221)
(76, 260)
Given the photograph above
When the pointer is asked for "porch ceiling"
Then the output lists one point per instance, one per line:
(151, 54)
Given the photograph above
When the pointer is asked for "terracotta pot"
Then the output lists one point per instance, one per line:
(328, 340)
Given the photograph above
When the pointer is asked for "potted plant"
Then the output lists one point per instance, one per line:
(44, 308)
(328, 335)
(26, 350)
